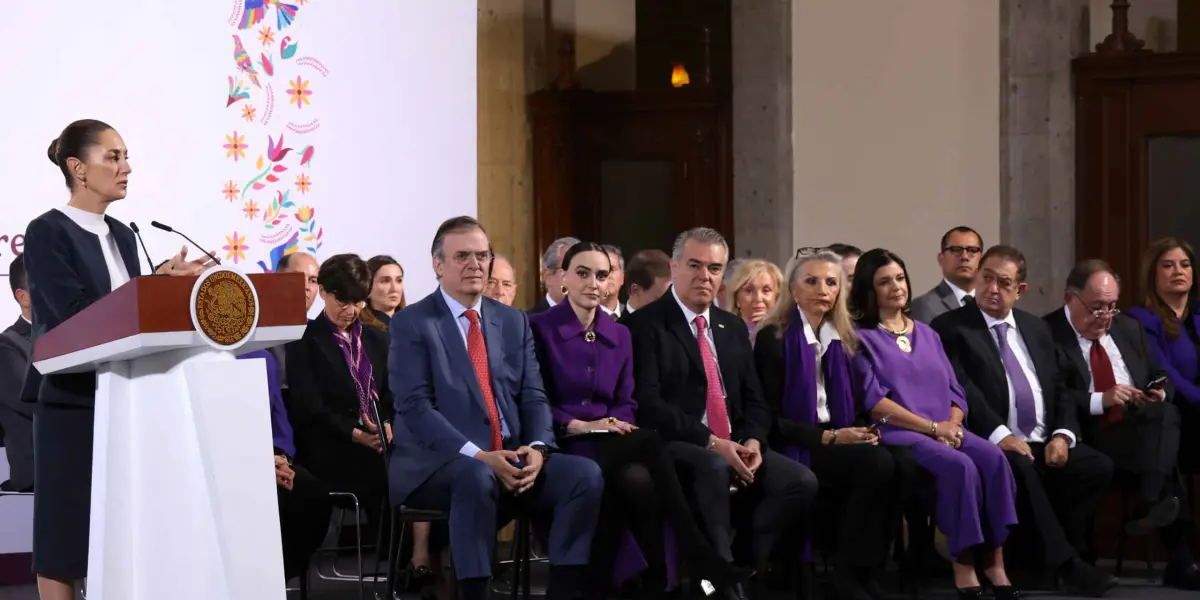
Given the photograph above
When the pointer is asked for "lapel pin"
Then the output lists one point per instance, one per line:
(720, 326)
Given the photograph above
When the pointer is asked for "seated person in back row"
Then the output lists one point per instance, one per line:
(16, 415)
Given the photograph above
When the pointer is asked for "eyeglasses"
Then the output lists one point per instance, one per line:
(462, 258)
(807, 251)
(344, 306)
(1097, 313)
(958, 250)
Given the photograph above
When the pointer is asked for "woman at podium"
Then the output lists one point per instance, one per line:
(75, 255)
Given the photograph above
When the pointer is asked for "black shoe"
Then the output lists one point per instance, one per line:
(846, 585)
(1184, 577)
(869, 579)
(419, 578)
(1006, 592)
(1082, 579)
(722, 574)
(1163, 513)
(971, 593)
(736, 591)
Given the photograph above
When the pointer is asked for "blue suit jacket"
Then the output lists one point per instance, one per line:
(439, 404)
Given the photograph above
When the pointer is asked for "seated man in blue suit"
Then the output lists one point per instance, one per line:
(473, 428)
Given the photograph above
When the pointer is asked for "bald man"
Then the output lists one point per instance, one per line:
(306, 264)
(502, 281)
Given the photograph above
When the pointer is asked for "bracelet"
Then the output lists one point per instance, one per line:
(833, 437)
(712, 442)
(932, 428)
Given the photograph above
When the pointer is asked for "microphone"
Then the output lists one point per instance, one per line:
(138, 233)
(157, 225)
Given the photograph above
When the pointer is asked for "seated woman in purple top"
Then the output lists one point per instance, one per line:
(901, 370)
(803, 359)
(1170, 314)
(303, 500)
(587, 368)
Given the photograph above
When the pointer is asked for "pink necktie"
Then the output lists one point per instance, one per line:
(714, 402)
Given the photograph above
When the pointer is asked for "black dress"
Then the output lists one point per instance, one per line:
(67, 273)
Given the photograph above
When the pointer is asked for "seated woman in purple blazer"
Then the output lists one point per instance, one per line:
(1170, 314)
(587, 367)
(901, 370)
(803, 359)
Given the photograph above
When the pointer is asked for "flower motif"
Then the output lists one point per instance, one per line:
(299, 92)
(266, 36)
(250, 209)
(248, 112)
(235, 146)
(235, 247)
(305, 214)
(303, 183)
(231, 191)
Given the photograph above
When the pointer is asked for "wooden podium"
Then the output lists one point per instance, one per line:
(183, 486)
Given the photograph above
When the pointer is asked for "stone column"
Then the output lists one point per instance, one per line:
(1038, 39)
(762, 132)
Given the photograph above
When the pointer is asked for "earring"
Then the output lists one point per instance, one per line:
(564, 290)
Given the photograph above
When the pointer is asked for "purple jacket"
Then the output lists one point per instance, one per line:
(584, 380)
(1179, 357)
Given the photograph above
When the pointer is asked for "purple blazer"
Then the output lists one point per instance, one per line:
(584, 380)
(1179, 357)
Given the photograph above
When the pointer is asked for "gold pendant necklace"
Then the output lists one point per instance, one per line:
(902, 340)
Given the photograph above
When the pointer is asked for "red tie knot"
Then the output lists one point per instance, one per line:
(701, 323)
(472, 316)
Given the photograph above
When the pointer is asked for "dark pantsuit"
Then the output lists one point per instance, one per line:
(1055, 504)
(863, 479)
(303, 519)
(567, 490)
(782, 492)
(1146, 444)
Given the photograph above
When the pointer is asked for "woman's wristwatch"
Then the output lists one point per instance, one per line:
(832, 436)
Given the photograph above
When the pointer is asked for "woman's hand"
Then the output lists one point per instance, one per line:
(856, 435)
(368, 439)
(179, 265)
(285, 477)
(576, 427)
(949, 431)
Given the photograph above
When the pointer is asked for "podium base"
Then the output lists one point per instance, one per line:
(184, 501)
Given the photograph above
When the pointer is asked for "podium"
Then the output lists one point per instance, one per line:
(183, 498)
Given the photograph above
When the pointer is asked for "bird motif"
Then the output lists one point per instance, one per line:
(286, 49)
(256, 12)
(242, 58)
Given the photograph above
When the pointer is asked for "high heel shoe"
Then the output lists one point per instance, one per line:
(419, 578)
(971, 593)
(1005, 592)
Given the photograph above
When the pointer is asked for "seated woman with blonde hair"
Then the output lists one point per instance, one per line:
(752, 292)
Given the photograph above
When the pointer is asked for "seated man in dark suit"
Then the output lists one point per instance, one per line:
(473, 427)
(1006, 361)
(16, 415)
(1134, 423)
(696, 383)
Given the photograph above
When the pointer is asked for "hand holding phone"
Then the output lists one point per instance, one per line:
(1157, 383)
(874, 428)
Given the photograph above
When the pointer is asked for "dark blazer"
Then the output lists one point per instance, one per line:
(770, 364)
(541, 306)
(16, 416)
(937, 301)
(584, 380)
(1130, 340)
(324, 408)
(972, 350)
(1179, 357)
(439, 404)
(66, 271)
(669, 380)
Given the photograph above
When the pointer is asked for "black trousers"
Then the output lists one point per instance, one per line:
(862, 487)
(303, 519)
(1055, 504)
(782, 492)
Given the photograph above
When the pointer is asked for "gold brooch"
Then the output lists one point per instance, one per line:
(589, 337)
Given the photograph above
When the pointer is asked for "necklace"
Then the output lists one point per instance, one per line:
(902, 340)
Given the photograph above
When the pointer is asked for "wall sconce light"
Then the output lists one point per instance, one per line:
(679, 76)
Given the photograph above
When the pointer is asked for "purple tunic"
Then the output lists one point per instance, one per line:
(590, 381)
(975, 488)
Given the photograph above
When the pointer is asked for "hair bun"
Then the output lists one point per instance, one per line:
(53, 152)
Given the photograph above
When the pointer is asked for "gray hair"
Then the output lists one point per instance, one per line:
(704, 235)
(730, 269)
(552, 259)
(616, 251)
(451, 225)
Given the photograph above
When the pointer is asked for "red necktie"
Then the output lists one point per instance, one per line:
(477, 350)
(714, 400)
(1103, 378)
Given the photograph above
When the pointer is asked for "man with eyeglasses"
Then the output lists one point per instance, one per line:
(959, 258)
(1111, 374)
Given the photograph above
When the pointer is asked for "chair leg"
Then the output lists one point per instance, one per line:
(393, 556)
(517, 563)
(304, 583)
(526, 554)
(1121, 539)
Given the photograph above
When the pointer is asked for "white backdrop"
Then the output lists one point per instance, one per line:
(388, 110)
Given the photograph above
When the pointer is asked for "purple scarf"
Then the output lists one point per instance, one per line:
(359, 365)
(800, 384)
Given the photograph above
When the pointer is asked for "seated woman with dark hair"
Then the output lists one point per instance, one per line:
(304, 504)
(387, 291)
(901, 370)
(587, 368)
(336, 372)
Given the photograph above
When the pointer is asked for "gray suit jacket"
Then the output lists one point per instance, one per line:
(928, 306)
(16, 416)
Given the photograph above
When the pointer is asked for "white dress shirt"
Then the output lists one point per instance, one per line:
(464, 325)
(550, 301)
(95, 224)
(1120, 370)
(822, 341)
(1016, 343)
(958, 292)
(708, 335)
